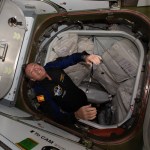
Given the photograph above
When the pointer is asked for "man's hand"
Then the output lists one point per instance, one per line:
(96, 59)
(86, 112)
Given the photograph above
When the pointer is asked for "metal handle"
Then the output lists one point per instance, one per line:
(3, 50)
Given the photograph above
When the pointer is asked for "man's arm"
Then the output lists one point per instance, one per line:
(64, 62)
(49, 107)
(73, 59)
(57, 114)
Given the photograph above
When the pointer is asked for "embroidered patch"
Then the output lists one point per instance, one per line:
(40, 98)
(62, 77)
(58, 90)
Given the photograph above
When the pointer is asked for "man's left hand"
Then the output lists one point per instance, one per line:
(95, 59)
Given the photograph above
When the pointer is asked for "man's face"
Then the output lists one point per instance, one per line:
(35, 72)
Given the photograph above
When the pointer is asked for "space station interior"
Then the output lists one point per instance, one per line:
(112, 86)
